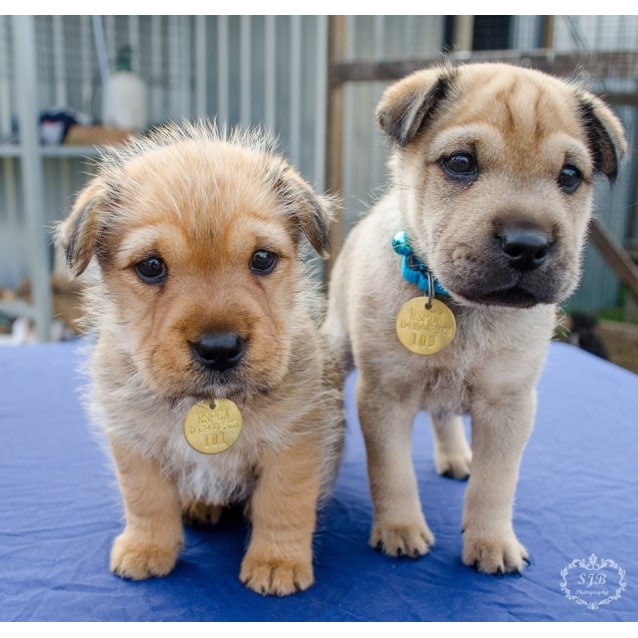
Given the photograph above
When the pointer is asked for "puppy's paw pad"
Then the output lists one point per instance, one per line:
(138, 561)
(276, 577)
(456, 467)
(495, 555)
(403, 540)
(198, 513)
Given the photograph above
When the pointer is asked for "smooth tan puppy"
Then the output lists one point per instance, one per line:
(200, 294)
(493, 168)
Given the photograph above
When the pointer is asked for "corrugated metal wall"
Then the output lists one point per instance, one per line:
(365, 150)
(615, 207)
(267, 71)
(270, 71)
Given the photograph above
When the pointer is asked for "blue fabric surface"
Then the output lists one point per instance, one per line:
(577, 497)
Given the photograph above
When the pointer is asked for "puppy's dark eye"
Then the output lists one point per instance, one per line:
(151, 270)
(460, 166)
(569, 178)
(263, 262)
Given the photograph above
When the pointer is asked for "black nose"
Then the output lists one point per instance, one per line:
(525, 249)
(219, 351)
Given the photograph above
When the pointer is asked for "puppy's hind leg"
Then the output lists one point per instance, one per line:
(198, 513)
(399, 526)
(334, 328)
(452, 453)
(153, 535)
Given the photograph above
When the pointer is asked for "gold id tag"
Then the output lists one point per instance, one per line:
(211, 427)
(424, 330)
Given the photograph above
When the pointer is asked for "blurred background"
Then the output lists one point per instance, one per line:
(69, 84)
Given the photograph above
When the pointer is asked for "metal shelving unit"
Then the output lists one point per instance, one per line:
(28, 152)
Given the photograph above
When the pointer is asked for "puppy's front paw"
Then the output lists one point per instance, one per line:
(411, 540)
(138, 561)
(275, 576)
(494, 555)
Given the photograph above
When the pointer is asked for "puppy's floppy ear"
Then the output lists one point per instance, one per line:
(407, 105)
(606, 134)
(77, 235)
(310, 213)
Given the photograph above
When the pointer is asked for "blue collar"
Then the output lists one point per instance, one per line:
(414, 271)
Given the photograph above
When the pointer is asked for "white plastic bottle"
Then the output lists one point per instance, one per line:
(124, 103)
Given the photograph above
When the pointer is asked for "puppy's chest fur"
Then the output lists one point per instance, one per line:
(134, 417)
(155, 430)
(488, 343)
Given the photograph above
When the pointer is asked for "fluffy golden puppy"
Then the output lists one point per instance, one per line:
(209, 376)
(445, 294)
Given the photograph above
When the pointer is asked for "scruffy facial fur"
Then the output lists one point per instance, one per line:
(493, 168)
(200, 293)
